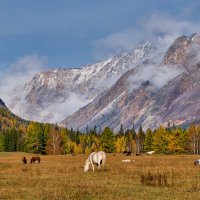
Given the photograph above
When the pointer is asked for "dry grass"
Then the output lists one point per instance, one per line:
(62, 177)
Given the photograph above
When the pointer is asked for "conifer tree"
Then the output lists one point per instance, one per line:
(148, 143)
(121, 131)
(141, 139)
(1, 142)
(176, 141)
(134, 132)
(160, 140)
(128, 140)
(107, 140)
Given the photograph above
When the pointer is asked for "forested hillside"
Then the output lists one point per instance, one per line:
(17, 134)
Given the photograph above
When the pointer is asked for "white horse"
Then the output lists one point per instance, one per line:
(97, 158)
(150, 152)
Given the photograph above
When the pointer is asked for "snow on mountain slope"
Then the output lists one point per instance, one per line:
(52, 95)
(149, 94)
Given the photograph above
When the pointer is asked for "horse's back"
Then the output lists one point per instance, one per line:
(98, 156)
(103, 156)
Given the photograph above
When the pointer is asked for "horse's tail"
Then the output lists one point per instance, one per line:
(103, 157)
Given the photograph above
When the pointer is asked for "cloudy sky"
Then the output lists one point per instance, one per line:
(75, 32)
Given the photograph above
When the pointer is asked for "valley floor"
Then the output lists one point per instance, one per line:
(62, 177)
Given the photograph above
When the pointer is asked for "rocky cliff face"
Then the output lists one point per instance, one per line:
(177, 102)
(149, 94)
(184, 52)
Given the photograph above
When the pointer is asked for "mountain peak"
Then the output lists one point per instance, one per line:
(182, 49)
(63, 87)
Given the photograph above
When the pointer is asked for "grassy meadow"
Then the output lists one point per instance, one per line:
(62, 177)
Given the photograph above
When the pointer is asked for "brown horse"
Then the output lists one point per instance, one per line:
(125, 152)
(72, 152)
(36, 158)
(24, 160)
(128, 153)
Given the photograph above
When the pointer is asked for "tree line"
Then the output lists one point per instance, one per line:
(35, 137)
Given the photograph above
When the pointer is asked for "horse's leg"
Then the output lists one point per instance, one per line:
(99, 165)
(92, 166)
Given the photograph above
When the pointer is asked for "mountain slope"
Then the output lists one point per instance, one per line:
(8, 119)
(144, 94)
(178, 102)
(52, 95)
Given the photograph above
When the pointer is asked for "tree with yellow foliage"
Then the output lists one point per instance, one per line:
(120, 144)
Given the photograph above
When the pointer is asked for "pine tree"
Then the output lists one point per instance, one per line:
(141, 139)
(129, 140)
(177, 141)
(94, 131)
(1, 142)
(160, 140)
(65, 140)
(35, 138)
(134, 132)
(121, 131)
(11, 137)
(148, 143)
(107, 140)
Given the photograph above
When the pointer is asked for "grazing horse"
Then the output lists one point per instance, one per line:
(197, 162)
(36, 158)
(125, 152)
(72, 152)
(24, 160)
(150, 152)
(97, 158)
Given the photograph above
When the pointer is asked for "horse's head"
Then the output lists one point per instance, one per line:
(86, 166)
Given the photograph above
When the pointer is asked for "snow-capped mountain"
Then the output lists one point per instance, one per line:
(149, 94)
(52, 95)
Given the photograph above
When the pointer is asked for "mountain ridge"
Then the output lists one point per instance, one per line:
(74, 88)
(139, 106)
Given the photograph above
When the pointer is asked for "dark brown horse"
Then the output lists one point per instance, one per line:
(24, 160)
(124, 152)
(36, 158)
(128, 153)
(72, 152)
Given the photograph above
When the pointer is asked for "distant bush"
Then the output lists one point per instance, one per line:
(154, 179)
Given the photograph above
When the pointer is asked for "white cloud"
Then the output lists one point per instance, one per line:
(13, 79)
(60, 110)
(114, 44)
(157, 75)
(158, 27)
(163, 24)
(12, 82)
